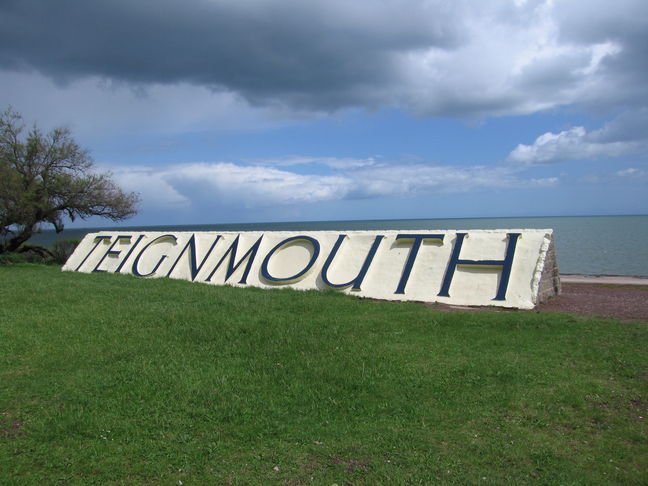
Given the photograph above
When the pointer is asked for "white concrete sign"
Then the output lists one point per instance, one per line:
(508, 268)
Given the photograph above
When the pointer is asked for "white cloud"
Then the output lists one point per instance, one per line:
(622, 136)
(631, 172)
(332, 162)
(152, 186)
(228, 184)
(413, 179)
(224, 184)
(627, 177)
(96, 108)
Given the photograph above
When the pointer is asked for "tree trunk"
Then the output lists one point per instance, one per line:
(14, 243)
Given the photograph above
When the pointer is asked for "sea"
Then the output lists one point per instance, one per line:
(585, 245)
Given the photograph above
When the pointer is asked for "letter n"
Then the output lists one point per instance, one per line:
(191, 246)
(232, 266)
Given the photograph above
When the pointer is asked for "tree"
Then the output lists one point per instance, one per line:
(47, 177)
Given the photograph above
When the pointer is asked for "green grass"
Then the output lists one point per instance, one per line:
(110, 379)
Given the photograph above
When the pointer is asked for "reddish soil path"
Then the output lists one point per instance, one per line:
(618, 301)
(626, 302)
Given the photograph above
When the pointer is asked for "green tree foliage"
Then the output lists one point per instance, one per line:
(45, 178)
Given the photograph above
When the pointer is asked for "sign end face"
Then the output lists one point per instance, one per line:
(548, 284)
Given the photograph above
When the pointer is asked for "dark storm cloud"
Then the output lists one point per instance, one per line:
(304, 53)
(433, 57)
(623, 24)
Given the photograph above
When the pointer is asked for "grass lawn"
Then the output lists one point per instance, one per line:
(111, 379)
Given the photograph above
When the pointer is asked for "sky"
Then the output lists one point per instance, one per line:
(235, 111)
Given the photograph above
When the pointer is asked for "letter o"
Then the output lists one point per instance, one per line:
(298, 276)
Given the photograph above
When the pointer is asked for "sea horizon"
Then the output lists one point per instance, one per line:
(130, 226)
(588, 245)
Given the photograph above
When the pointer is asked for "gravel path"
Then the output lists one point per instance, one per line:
(617, 300)
(626, 302)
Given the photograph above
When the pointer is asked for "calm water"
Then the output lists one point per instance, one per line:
(596, 245)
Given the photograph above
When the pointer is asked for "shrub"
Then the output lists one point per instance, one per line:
(27, 254)
(12, 258)
(61, 250)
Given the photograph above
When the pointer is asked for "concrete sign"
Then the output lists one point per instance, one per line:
(507, 268)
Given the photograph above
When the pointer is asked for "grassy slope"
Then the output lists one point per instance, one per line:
(108, 379)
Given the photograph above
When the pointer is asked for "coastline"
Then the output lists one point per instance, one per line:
(571, 278)
(585, 245)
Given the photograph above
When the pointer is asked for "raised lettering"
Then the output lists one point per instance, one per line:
(132, 248)
(135, 268)
(505, 265)
(357, 281)
(97, 240)
(111, 252)
(191, 246)
(417, 239)
(231, 267)
(299, 275)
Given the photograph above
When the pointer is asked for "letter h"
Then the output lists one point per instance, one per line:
(505, 265)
